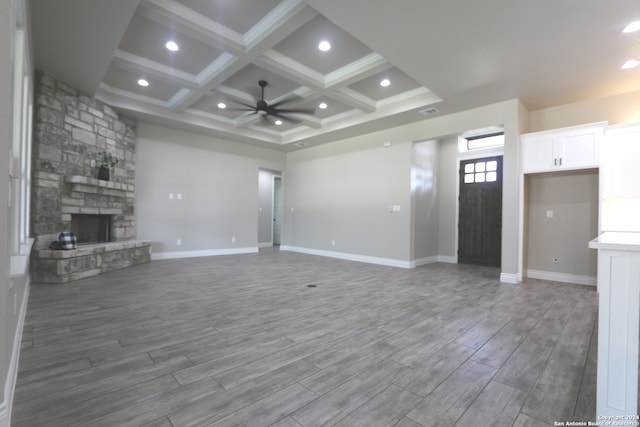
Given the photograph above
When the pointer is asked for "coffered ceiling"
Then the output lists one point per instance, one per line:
(438, 57)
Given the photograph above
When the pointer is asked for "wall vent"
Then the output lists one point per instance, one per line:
(429, 111)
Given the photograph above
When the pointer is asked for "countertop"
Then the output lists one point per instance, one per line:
(617, 241)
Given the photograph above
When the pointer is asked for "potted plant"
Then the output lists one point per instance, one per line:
(107, 162)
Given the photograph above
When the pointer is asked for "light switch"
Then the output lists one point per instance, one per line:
(549, 213)
(179, 196)
(396, 208)
(171, 196)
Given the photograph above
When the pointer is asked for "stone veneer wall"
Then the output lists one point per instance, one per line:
(70, 129)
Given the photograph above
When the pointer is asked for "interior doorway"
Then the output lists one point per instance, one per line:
(277, 210)
(480, 212)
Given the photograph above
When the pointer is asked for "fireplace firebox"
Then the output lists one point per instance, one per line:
(91, 228)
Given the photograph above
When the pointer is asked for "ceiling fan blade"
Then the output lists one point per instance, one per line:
(253, 107)
(310, 111)
(284, 100)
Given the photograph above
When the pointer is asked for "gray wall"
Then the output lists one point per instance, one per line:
(574, 202)
(342, 191)
(447, 200)
(425, 188)
(217, 182)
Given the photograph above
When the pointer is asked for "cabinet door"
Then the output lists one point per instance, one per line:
(579, 149)
(620, 163)
(538, 153)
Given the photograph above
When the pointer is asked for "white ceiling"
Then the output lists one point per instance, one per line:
(452, 55)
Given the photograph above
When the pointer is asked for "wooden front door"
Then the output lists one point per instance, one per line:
(480, 212)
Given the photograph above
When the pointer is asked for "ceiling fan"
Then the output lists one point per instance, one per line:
(264, 109)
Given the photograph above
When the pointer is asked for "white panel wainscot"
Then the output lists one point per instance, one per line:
(619, 301)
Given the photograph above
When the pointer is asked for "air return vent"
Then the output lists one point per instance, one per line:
(429, 111)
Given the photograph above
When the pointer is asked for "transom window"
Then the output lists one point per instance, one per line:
(485, 141)
(481, 172)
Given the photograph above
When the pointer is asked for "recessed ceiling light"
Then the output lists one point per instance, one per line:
(632, 28)
(324, 46)
(630, 64)
(323, 105)
(222, 105)
(278, 122)
(385, 82)
(172, 46)
(143, 83)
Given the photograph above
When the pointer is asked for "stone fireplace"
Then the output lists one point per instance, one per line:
(89, 228)
(70, 129)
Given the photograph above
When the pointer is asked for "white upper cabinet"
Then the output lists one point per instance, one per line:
(620, 162)
(576, 147)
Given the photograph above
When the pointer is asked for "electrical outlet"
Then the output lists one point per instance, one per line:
(233, 240)
(333, 243)
(178, 242)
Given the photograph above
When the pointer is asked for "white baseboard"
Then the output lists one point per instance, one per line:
(425, 261)
(448, 259)
(12, 375)
(155, 256)
(509, 278)
(350, 257)
(563, 277)
(265, 245)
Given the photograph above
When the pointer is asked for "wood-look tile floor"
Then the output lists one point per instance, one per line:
(244, 341)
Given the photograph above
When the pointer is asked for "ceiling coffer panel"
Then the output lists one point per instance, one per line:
(245, 69)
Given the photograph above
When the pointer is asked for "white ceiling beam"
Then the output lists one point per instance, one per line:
(293, 13)
(311, 121)
(291, 69)
(354, 99)
(266, 33)
(357, 70)
(216, 73)
(170, 13)
(130, 62)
